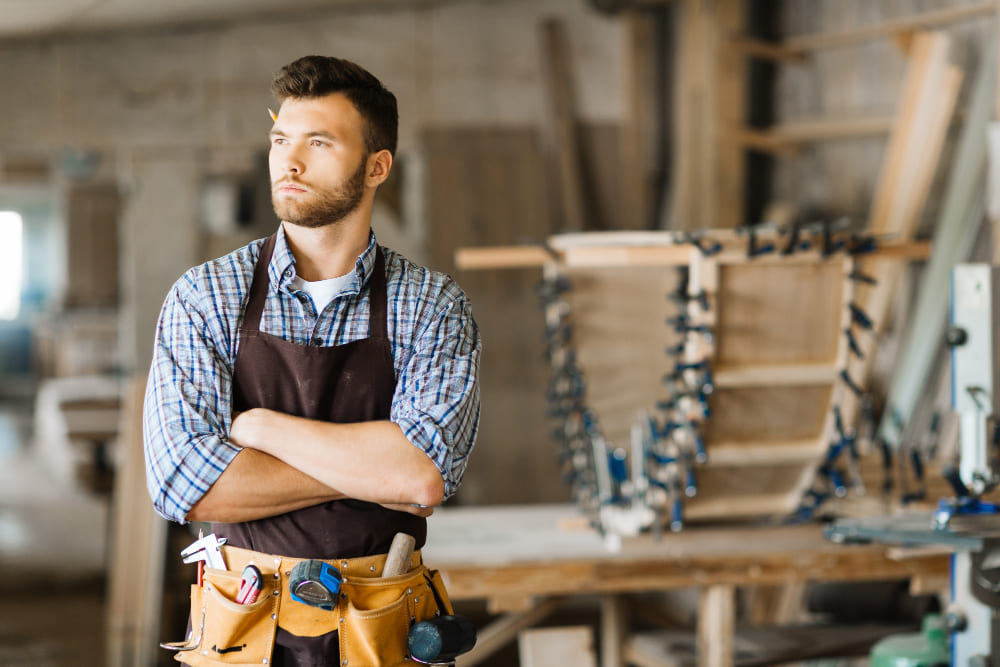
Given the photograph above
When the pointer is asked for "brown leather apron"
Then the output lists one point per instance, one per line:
(346, 383)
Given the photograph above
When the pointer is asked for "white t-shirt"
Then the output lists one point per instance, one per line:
(322, 291)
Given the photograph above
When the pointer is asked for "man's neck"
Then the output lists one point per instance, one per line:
(326, 252)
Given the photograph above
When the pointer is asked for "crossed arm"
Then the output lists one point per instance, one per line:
(370, 461)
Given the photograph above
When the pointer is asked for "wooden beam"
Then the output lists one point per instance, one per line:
(562, 102)
(800, 46)
(770, 375)
(708, 184)
(640, 131)
(776, 51)
(787, 138)
(716, 621)
(676, 254)
(502, 257)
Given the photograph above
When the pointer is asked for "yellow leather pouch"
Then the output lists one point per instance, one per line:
(373, 614)
(225, 632)
(376, 615)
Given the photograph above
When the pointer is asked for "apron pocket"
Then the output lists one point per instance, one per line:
(375, 636)
(232, 633)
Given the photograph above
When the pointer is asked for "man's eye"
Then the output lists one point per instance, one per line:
(317, 142)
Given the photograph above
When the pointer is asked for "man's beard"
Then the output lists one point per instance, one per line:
(329, 207)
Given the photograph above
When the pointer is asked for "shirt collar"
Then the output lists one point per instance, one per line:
(281, 270)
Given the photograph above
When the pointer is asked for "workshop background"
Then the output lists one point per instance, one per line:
(133, 146)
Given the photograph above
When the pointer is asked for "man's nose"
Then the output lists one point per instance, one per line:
(293, 163)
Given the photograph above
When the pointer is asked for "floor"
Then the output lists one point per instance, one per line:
(52, 547)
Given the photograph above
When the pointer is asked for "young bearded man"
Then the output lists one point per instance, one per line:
(312, 394)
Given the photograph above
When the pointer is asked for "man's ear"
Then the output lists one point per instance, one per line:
(379, 165)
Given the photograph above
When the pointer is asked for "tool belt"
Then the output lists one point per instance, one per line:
(373, 613)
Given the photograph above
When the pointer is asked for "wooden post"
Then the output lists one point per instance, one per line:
(708, 170)
(555, 49)
(613, 627)
(640, 134)
(716, 612)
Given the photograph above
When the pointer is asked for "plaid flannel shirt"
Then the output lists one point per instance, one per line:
(188, 404)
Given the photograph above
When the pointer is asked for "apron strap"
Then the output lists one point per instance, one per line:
(377, 299)
(258, 292)
(259, 286)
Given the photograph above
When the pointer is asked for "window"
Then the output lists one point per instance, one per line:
(10, 264)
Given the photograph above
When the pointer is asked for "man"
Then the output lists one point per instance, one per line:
(313, 394)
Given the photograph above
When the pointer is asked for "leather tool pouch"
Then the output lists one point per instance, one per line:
(376, 615)
(224, 632)
(373, 616)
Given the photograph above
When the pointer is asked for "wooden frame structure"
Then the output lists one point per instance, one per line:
(778, 348)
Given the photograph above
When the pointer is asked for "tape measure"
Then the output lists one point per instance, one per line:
(315, 583)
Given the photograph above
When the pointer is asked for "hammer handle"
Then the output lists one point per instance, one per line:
(400, 554)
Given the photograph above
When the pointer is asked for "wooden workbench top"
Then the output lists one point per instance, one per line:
(509, 551)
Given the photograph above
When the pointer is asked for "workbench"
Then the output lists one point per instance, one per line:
(527, 559)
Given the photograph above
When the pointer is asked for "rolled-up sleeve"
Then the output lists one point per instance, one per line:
(436, 403)
(187, 410)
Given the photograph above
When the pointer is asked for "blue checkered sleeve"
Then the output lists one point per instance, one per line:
(437, 395)
(187, 409)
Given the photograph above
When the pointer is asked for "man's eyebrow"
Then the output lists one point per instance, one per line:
(314, 133)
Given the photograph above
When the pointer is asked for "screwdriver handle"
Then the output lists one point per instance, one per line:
(400, 555)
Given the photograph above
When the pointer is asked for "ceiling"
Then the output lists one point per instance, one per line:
(35, 18)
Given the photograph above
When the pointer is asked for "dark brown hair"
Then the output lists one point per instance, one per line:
(318, 76)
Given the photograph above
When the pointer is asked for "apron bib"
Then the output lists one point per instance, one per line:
(346, 383)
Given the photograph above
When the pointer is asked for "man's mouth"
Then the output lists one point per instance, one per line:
(289, 187)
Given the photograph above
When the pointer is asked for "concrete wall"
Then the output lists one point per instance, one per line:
(167, 107)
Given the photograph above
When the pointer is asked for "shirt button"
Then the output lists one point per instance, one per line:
(317, 341)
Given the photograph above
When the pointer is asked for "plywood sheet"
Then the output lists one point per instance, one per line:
(621, 335)
(779, 313)
(767, 413)
(483, 188)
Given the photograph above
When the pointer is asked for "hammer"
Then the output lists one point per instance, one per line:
(441, 639)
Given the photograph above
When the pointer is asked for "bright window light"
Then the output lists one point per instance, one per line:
(10, 264)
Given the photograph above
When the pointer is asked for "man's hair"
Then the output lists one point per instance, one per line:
(318, 76)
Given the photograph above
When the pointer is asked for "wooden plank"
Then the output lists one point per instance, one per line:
(729, 78)
(708, 171)
(562, 106)
(923, 20)
(501, 257)
(597, 254)
(924, 80)
(798, 48)
(619, 322)
(137, 550)
(614, 621)
(781, 412)
(779, 314)
(776, 375)
(640, 131)
(692, 95)
(926, 105)
(766, 452)
(549, 647)
(519, 550)
(716, 620)
(787, 138)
